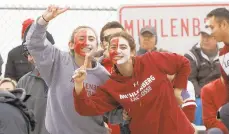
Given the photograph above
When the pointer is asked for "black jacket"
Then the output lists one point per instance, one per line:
(15, 118)
(17, 65)
(203, 71)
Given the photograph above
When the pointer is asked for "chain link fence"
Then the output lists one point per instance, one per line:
(11, 19)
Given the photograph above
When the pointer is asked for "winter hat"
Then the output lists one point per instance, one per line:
(48, 36)
(25, 25)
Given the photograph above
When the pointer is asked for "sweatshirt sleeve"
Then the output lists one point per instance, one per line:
(171, 63)
(97, 104)
(210, 111)
(189, 106)
(46, 56)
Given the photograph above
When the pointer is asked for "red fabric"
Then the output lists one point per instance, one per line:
(190, 112)
(148, 95)
(25, 24)
(115, 128)
(213, 95)
(79, 43)
(107, 63)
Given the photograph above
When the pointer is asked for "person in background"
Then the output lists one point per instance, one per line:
(37, 89)
(218, 24)
(8, 84)
(17, 65)
(148, 40)
(107, 30)
(204, 59)
(214, 96)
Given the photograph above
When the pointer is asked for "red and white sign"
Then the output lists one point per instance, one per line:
(177, 25)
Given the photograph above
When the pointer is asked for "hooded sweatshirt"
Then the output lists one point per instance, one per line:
(147, 95)
(214, 96)
(56, 68)
(15, 118)
(36, 88)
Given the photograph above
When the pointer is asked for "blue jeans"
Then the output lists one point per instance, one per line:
(124, 128)
(198, 114)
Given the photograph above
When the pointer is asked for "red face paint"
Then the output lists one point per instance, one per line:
(80, 42)
(113, 52)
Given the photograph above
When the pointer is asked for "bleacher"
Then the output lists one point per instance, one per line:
(201, 129)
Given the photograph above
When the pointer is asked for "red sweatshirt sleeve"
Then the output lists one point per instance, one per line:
(171, 63)
(210, 111)
(190, 112)
(97, 104)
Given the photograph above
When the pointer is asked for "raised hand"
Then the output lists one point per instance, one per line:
(52, 11)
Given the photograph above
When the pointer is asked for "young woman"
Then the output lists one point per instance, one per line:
(141, 86)
(56, 68)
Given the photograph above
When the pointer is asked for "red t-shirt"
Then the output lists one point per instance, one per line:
(213, 95)
(147, 96)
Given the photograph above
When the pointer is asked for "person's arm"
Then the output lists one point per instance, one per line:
(210, 111)
(10, 71)
(46, 56)
(170, 64)
(193, 75)
(97, 104)
(189, 106)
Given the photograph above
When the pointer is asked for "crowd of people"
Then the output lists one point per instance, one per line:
(105, 86)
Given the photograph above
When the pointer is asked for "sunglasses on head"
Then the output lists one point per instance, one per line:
(26, 54)
(106, 38)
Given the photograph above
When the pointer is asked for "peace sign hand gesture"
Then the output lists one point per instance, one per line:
(52, 11)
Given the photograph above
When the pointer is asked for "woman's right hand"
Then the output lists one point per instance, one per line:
(52, 11)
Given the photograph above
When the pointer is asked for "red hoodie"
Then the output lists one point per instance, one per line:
(147, 96)
(213, 95)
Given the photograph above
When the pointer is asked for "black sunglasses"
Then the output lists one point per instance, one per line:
(26, 54)
(106, 38)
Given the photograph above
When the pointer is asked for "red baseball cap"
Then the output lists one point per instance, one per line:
(25, 25)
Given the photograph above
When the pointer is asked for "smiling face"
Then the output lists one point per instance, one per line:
(84, 41)
(219, 28)
(207, 42)
(119, 50)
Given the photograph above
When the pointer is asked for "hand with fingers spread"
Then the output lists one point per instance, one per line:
(52, 11)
